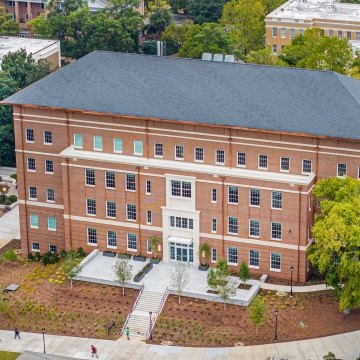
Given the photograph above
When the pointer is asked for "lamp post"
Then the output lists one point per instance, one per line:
(150, 314)
(276, 321)
(291, 290)
(43, 331)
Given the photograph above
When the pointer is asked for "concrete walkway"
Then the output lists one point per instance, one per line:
(296, 289)
(344, 346)
(9, 226)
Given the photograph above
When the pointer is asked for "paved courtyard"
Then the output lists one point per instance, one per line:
(9, 226)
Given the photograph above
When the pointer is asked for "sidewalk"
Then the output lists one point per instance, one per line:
(344, 346)
(9, 226)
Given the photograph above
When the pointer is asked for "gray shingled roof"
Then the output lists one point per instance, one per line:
(260, 97)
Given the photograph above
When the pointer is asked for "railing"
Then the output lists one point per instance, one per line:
(151, 325)
(162, 303)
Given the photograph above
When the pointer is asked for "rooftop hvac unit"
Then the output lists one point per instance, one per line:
(229, 58)
(219, 57)
(206, 56)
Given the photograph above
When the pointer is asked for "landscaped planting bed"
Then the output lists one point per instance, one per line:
(45, 300)
(203, 323)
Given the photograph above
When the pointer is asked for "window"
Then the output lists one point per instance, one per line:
(274, 32)
(214, 193)
(181, 223)
(130, 182)
(78, 141)
(47, 137)
(138, 147)
(34, 221)
(306, 166)
(98, 143)
(274, 49)
(232, 255)
(91, 236)
(283, 33)
(11, 3)
(341, 169)
(52, 223)
(149, 247)
(357, 36)
(275, 261)
(331, 33)
(32, 193)
(159, 150)
(233, 195)
(284, 164)
(90, 177)
(13, 15)
(130, 212)
(181, 188)
(148, 217)
(53, 248)
(254, 197)
(35, 246)
(254, 258)
(276, 200)
(42, 5)
(109, 179)
(220, 157)
(301, 31)
(91, 206)
(111, 209)
(31, 164)
(359, 172)
(179, 152)
(213, 255)
(118, 145)
(30, 135)
(254, 228)
(199, 154)
(232, 225)
(292, 33)
(49, 167)
(111, 239)
(348, 35)
(213, 225)
(263, 161)
(50, 195)
(131, 242)
(241, 159)
(148, 187)
(340, 34)
(276, 231)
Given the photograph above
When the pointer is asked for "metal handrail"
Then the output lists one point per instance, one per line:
(151, 325)
(125, 323)
(161, 305)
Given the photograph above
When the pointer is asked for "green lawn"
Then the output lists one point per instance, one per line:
(5, 355)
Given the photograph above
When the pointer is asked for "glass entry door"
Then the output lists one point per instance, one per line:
(181, 252)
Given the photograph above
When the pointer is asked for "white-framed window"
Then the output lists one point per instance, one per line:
(118, 145)
(148, 217)
(181, 222)
(254, 197)
(138, 148)
(340, 34)
(78, 141)
(284, 164)
(32, 193)
(254, 259)
(12, 3)
(263, 162)
(232, 225)
(13, 15)
(30, 138)
(254, 228)
(149, 247)
(90, 177)
(111, 209)
(241, 159)
(50, 195)
(276, 231)
(131, 242)
(232, 255)
(49, 166)
(275, 262)
(130, 212)
(98, 143)
(213, 255)
(35, 246)
(213, 225)
(34, 221)
(233, 195)
(181, 188)
(283, 33)
(47, 137)
(220, 157)
(31, 164)
(357, 36)
(91, 236)
(348, 35)
(148, 187)
(341, 170)
(130, 182)
(331, 33)
(274, 32)
(111, 239)
(110, 179)
(52, 223)
(214, 193)
(52, 248)
(158, 150)
(274, 48)
(179, 152)
(301, 31)
(306, 166)
(276, 200)
(90, 206)
(359, 172)
(292, 33)
(199, 154)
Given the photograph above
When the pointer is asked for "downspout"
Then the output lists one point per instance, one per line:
(230, 150)
(138, 205)
(147, 139)
(299, 232)
(317, 159)
(223, 216)
(68, 177)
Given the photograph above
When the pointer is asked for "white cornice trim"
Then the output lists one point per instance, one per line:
(37, 152)
(41, 204)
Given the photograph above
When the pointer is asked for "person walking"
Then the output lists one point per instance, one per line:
(127, 333)
(94, 351)
(17, 333)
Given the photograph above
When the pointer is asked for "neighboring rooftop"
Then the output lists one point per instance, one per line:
(281, 99)
(317, 9)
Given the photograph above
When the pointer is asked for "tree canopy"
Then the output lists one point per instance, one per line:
(205, 11)
(336, 251)
(7, 25)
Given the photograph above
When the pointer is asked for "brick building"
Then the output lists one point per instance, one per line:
(117, 147)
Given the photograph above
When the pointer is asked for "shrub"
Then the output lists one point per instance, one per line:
(12, 198)
(7, 202)
(14, 176)
(63, 254)
(9, 255)
(37, 256)
(31, 257)
(50, 258)
(81, 252)
(329, 356)
(2, 199)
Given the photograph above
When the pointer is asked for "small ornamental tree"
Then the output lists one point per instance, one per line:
(244, 272)
(71, 265)
(257, 312)
(123, 272)
(180, 277)
(155, 242)
(204, 252)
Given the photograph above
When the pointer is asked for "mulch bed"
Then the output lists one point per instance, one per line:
(203, 323)
(13, 244)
